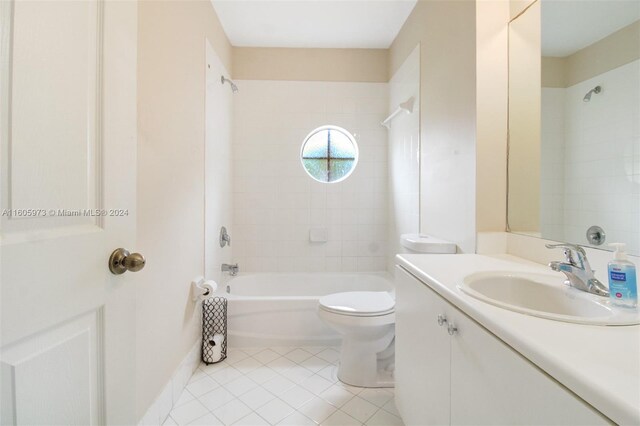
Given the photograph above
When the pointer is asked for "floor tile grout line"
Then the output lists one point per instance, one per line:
(280, 373)
(295, 412)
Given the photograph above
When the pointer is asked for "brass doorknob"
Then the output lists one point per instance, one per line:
(122, 261)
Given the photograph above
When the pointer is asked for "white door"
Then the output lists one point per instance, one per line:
(68, 161)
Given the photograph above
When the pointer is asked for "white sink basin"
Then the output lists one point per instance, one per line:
(545, 296)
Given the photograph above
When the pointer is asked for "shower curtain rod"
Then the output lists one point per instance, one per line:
(406, 106)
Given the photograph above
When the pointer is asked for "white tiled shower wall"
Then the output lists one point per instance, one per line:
(276, 203)
(601, 158)
(404, 156)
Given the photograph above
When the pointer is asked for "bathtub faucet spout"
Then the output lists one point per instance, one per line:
(232, 269)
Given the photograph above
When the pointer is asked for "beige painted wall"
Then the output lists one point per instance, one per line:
(171, 123)
(524, 121)
(492, 19)
(446, 31)
(408, 37)
(554, 72)
(358, 65)
(613, 51)
(517, 7)
(618, 49)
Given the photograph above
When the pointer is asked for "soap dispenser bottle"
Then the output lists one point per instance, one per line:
(623, 289)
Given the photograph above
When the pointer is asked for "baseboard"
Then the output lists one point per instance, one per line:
(161, 407)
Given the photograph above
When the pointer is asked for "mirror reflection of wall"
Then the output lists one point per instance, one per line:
(589, 145)
(524, 122)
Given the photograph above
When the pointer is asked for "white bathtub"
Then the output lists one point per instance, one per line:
(280, 309)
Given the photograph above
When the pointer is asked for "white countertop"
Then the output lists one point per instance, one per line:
(600, 364)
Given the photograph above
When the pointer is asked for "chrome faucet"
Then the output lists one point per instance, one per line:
(232, 269)
(577, 269)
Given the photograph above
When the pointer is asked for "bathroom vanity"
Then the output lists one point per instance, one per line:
(460, 360)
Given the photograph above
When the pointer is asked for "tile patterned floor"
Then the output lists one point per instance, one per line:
(280, 386)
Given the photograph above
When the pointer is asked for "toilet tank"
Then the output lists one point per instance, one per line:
(423, 243)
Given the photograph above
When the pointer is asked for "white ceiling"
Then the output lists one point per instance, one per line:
(570, 25)
(313, 23)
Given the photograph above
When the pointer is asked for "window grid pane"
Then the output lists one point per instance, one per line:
(329, 155)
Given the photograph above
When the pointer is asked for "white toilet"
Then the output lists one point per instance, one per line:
(366, 320)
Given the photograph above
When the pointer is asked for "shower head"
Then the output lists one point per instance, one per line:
(595, 90)
(223, 80)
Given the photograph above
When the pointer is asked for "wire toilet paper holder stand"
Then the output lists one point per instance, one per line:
(214, 330)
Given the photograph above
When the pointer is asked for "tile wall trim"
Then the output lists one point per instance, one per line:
(159, 410)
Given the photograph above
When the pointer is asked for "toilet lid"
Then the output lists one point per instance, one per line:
(359, 303)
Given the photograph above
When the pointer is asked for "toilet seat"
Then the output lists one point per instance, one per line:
(359, 303)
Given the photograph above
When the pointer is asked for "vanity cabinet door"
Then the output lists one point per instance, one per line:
(422, 353)
(493, 384)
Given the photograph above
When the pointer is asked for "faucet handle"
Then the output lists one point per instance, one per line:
(225, 238)
(569, 249)
(573, 247)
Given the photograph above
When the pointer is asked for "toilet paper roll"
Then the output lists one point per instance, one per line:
(209, 287)
(203, 289)
(214, 352)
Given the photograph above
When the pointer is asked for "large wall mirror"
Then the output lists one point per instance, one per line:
(574, 122)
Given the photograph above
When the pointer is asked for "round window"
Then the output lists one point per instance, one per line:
(329, 154)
